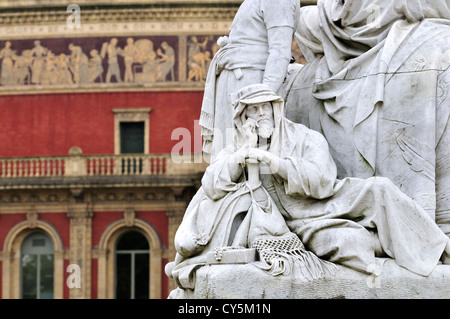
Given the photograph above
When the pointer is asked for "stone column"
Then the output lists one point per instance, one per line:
(102, 273)
(80, 249)
(60, 275)
(7, 258)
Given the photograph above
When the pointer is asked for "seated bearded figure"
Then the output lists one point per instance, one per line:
(275, 189)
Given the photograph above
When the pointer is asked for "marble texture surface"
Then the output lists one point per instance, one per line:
(238, 282)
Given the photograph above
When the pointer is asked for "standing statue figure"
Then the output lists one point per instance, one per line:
(257, 50)
(298, 200)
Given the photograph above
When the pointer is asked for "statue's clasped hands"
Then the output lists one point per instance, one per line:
(249, 150)
(250, 153)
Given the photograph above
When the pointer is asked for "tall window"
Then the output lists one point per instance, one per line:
(132, 137)
(132, 130)
(132, 266)
(37, 262)
(132, 141)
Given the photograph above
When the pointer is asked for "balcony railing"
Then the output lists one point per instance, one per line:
(97, 165)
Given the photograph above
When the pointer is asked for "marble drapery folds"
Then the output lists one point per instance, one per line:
(376, 87)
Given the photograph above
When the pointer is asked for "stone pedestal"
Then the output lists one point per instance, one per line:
(238, 282)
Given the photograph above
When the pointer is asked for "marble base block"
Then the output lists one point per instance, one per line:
(249, 282)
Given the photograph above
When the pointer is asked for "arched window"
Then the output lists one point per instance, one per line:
(132, 266)
(37, 267)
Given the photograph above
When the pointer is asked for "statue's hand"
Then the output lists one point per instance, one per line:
(260, 155)
(250, 134)
(276, 164)
(241, 155)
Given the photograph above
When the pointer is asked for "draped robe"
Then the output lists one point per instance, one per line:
(376, 86)
(351, 221)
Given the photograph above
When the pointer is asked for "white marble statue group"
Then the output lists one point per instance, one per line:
(342, 161)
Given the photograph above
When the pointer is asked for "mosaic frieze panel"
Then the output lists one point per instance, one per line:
(200, 51)
(111, 61)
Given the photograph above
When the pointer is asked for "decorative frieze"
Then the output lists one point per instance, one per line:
(121, 48)
(117, 62)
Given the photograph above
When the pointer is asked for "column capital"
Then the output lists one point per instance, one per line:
(79, 214)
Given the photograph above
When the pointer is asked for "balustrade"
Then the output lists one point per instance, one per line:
(82, 165)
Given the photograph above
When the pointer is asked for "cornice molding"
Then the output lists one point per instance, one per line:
(24, 12)
(124, 14)
(61, 3)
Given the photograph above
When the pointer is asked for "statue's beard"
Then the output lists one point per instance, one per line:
(265, 129)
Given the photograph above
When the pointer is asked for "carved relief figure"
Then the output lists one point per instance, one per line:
(95, 66)
(79, 64)
(62, 70)
(195, 47)
(113, 51)
(48, 73)
(7, 55)
(198, 57)
(147, 57)
(166, 61)
(22, 73)
(198, 66)
(130, 54)
(38, 53)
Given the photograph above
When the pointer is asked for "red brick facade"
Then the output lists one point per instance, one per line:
(50, 124)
